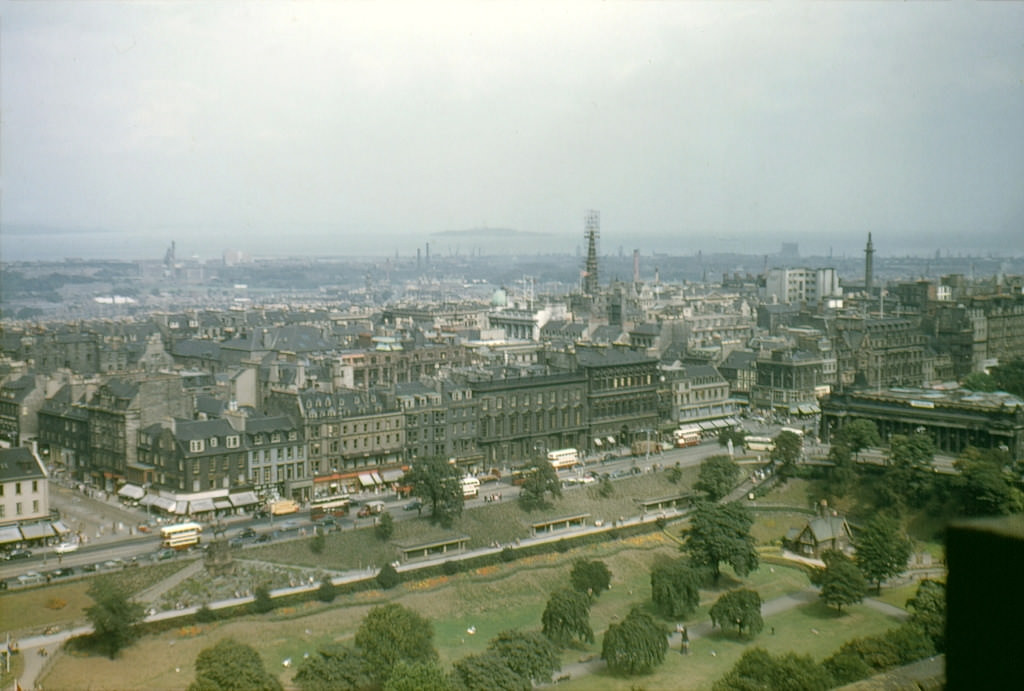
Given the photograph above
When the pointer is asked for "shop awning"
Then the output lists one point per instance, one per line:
(392, 475)
(597, 442)
(180, 507)
(611, 440)
(37, 531)
(60, 527)
(243, 499)
(157, 501)
(366, 479)
(131, 491)
(200, 505)
(9, 533)
(377, 478)
(221, 504)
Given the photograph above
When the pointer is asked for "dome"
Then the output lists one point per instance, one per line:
(500, 298)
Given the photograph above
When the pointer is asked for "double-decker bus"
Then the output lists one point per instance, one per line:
(335, 505)
(181, 535)
(687, 436)
(561, 459)
(794, 430)
(759, 443)
(470, 487)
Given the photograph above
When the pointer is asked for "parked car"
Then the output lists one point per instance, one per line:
(19, 554)
(236, 542)
(364, 511)
(265, 537)
(165, 553)
(414, 505)
(31, 578)
(247, 532)
(62, 572)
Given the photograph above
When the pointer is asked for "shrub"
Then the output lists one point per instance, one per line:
(450, 568)
(326, 592)
(388, 577)
(205, 615)
(508, 555)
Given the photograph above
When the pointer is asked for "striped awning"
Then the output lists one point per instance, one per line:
(597, 442)
(9, 533)
(159, 502)
(392, 475)
(221, 504)
(366, 479)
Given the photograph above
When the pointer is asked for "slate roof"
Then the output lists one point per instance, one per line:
(19, 463)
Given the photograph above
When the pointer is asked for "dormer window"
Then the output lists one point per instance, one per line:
(213, 442)
(195, 445)
(232, 441)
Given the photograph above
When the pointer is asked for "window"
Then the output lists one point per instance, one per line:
(17, 490)
(35, 506)
(232, 441)
(195, 445)
(3, 511)
(17, 509)
(213, 442)
(35, 486)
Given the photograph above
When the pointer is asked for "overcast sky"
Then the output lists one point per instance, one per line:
(368, 127)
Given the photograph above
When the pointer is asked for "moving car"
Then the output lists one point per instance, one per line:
(414, 505)
(19, 554)
(66, 547)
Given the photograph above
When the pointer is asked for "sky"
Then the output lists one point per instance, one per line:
(369, 128)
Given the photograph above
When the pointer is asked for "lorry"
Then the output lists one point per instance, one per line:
(640, 448)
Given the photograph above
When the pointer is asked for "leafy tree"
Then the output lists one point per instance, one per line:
(327, 590)
(928, 612)
(232, 666)
(1009, 377)
(390, 633)
(205, 615)
(388, 577)
(530, 655)
(857, 435)
(846, 667)
(636, 645)
(567, 617)
(418, 676)
(674, 473)
(739, 610)
(878, 653)
(916, 450)
(113, 616)
(675, 587)
(718, 475)
(385, 527)
(262, 602)
(438, 483)
(540, 479)
(788, 448)
(591, 577)
(486, 672)
(316, 543)
(841, 475)
(980, 381)
(334, 667)
(983, 488)
(605, 488)
(721, 533)
(736, 436)
(759, 670)
(841, 581)
(882, 549)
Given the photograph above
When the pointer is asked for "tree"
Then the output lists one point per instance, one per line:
(334, 667)
(857, 435)
(567, 617)
(232, 666)
(983, 487)
(880, 652)
(909, 475)
(718, 475)
(980, 381)
(390, 633)
(789, 446)
(316, 543)
(674, 473)
(388, 577)
(540, 479)
(113, 616)
(1009, 377)
(327, 590)
(721, 533)
(759, 670)
(262, 602)
(736, 436)
(531, 655)
(418, 676)
(591, 577)
(928, 612)
(841, 475)
(438, 483)
(882, 549)
(636, 645)
(675, 587)
(605, 488)
(486, 672)
(841, 581)
(739, 610)
(385, 527)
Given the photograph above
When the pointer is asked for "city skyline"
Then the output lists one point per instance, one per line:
(359, 129)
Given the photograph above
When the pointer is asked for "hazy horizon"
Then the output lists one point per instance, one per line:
(369, 129)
